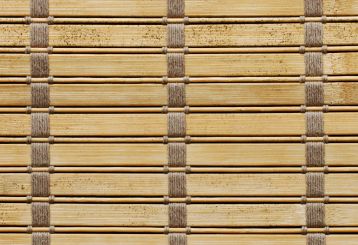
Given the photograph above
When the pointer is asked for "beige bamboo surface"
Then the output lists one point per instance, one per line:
(213, 35)
(134, 184)
(225, 215)
(134, 154)
(192, 8)
(195, 239)
(198, 124)
(219, 94)
(196, 65)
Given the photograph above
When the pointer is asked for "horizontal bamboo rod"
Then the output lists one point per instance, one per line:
(201, 139)
(178, 169)
(103, 110)
(208, 38)
(144, 65)
(189, 50)
(189, 20)
(149, 215)
(155, 8)
(200, 97)
(199, 154)
(197, 124)
(193, 230)
(154, 80)
(55, 199)
(193, 239)
(137, 184)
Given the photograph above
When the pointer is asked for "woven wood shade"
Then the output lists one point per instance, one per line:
(178, 122)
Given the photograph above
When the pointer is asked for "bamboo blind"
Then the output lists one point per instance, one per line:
(178, 122)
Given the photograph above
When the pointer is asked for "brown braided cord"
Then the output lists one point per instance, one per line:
(315, 215)
(313, 34)
(41, 238)
(315, 184)
(176, 64)
(40, 184)
(177, 184)
(314, 123)
(40, 214)
(313, 64)
(177, 154)
(176, 124)
(176, 95)
(177, 239)
(40, 124)
(40, 95)
(39, 8)
(40, 154)
(316, 239)
(314, 93)
(39, 65)
(176, 35)
(39, 35)
(177, 215)
(313, 8)
(315, 154)
(176, 8)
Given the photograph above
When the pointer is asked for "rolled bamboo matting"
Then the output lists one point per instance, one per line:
(178, 122)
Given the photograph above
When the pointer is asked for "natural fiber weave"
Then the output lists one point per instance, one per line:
(41, 238)
(40, 214)
(176, 124)
(313, 8)
(314, 64)
(40, 154)
(40, 125)
(177, 154)
(313, 34)
(176, 8)
(176, 65)
(39, 65)
(177, 215)
(176, 35)
(315, 154)
(39, 35)
(39, 8)
(315, 125)
(177, 239)
(40, 95)
(314, 94)
(40, 184)
(315, 215)
(176, 95)
(316, 239)
(315, 184)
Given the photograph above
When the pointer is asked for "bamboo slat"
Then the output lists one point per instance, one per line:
(192, 8)
(223, 94)
(225, 215)
(199, 124)
(211, 35)
(196, 65)
(154, 239)
(85, 184)
(224, 154)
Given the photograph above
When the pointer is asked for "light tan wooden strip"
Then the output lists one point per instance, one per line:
(15, 95)
(340, 7)
(196, 65)
(224, 215)
(247, 239)
(341, 123)
(341, 93)
(108, 124)
(14, 35)
(109, 215)
(15, 184)
(131, 184)
(15, 7)
(340, 63)
(15, 155)
(341, 184)
(109, 239)
(244, 64)
(246, 184)
(245, 124)
(342, 239)
(15, 124)
(108, 95)
(15, 239)
(108, 35)
(341, 154)
(13, 214)
(108, 154)
(227, 215)
(109, 184)
(340, 33)
(245, 154)
(107, 65)
(342, 215)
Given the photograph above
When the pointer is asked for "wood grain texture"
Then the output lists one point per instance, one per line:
(225, 215)
(220, 94)
(198, 124)
(197, 154)
(196, 65)
(193, 8)
(216, 185)
(193, 239)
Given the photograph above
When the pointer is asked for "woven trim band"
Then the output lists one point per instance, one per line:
(39, 8)
(176, 8)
